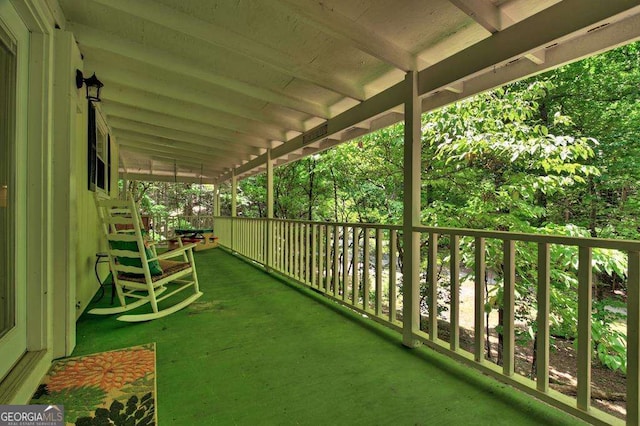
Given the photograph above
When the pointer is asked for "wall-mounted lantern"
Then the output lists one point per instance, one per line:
(92, 84)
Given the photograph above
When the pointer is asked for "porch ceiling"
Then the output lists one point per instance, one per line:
(201, 87)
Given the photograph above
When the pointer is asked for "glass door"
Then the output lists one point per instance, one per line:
(14, 45)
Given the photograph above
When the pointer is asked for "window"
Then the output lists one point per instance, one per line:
(99, 152)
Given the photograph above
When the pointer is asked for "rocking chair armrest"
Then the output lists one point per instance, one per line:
(176, 252)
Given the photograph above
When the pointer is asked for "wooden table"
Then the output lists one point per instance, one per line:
(203, 238)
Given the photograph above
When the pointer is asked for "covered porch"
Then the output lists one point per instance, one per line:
(259, 349)
(213, 92)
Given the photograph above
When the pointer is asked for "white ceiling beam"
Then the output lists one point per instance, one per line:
(456, 87)
(335, 24)
(530, 35)
(181, 146)
(153, 150)
(484, 13)
(537, 57)
(163, 105)
(117, 123)
(233, 42)
(370, 110)
(517, 10)
(116, 109)
(609, 37)
(166, 178)
(95, 39)
(171, 88)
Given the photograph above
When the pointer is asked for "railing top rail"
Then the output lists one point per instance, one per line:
(308, 222)
(625, 245)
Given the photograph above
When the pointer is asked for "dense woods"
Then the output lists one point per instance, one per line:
(558, 153)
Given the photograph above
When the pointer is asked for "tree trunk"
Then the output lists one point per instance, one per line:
(534, 362)
(486, 320)
(593, 213)
(500, 360)
(335, 195)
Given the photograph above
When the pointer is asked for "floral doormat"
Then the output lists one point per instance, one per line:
(116, 387)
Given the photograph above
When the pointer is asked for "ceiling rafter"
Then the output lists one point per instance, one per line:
(215, 144)
(100, 40)
(484, 13)
(186, 110)
(233, 42)
(143, 147)
(181, 146)
(612, 36)
(117, 110)
(529, 35)
(341, 27)
(168, 178)
(170, 88)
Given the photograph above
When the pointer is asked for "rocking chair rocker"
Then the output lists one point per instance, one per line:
(138, 271)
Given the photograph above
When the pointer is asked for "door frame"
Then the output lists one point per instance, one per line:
(35, 251)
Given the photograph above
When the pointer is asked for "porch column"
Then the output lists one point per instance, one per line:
(269, 239)
(234, 190)
(216, 205)
(411, 211)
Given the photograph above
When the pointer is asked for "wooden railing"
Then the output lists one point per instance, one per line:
(359, 265)
(162, 226)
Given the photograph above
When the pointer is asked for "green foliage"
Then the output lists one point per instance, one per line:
(554, 154)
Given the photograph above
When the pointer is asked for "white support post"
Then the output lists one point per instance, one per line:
(411, 211)
(215, 199)
(234, 191)
(234, 194)
(269, 239)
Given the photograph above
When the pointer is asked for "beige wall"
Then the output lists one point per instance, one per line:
(92, 240)
(78, 234)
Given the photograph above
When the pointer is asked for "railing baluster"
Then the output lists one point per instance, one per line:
(290, 237)
(454, 266)
(327, 258)
(355, 293)
(479, 298)
(274, 243)
(393, 247)
(317, 255)
(365, 270)
(277, 249)
(542, 348)
(308, 254)
(296, 251)
(336, 262)
(633, 338)
(508, 314)
(584, 327)
(281, 246)
(345, 262)
(301, 252)
(378, 308)
(432, 283)
(316, 258)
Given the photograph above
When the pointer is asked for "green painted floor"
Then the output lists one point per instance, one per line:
(256, 351)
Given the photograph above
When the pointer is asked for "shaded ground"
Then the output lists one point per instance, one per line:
(608, 387)
(256, 351)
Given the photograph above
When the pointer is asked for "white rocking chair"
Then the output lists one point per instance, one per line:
(139, 273)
